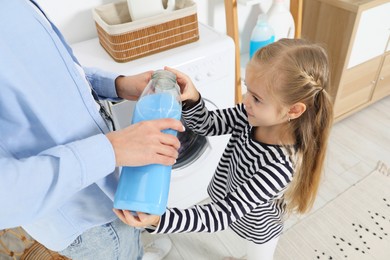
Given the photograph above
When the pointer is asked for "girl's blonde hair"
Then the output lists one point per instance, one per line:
(298, 71)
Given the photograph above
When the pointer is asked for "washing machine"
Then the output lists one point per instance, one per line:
(210, 64)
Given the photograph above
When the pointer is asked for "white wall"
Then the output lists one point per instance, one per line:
(74, 17)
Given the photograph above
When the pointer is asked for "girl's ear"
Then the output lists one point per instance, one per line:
(296, 110)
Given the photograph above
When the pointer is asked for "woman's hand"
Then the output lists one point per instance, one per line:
(187, 88)
(141, 220)
(131, 87)
(144, 143)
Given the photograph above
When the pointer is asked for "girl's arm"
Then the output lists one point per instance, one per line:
(199, 118)
(216, 216)
(216, 122)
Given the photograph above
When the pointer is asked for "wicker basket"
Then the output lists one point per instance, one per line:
(125, 40)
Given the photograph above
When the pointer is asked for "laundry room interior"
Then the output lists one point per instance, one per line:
(214, 43)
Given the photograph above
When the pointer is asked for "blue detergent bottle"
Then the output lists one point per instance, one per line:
(262, 35)
(146, 188)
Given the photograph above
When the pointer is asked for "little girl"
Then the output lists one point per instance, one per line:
(273, 162)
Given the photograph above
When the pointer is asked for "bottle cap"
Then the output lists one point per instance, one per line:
(164, 80)
(164, 74)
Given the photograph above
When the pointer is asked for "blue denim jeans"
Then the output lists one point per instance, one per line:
(112, 241)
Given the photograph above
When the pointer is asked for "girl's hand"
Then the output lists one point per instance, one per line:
(141, 220)
(131, 87)
(187, 88)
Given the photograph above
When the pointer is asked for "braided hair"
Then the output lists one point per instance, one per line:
(298, 71)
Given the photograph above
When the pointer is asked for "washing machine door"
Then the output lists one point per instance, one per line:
(191, 148)
(192, 144)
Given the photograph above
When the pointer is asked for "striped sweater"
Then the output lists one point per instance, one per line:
(247, 187)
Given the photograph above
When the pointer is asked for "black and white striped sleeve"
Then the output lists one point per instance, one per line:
(216, 122)
(216, 216)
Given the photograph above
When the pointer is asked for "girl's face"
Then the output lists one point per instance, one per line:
(262, 108)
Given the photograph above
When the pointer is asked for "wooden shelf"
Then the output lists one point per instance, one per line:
(232, 31)
(357, 50)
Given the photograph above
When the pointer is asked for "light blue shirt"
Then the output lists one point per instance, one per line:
(57, 168)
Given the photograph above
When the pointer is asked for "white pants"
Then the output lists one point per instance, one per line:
(261, 251)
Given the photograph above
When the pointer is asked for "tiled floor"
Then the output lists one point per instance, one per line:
(357, 143)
